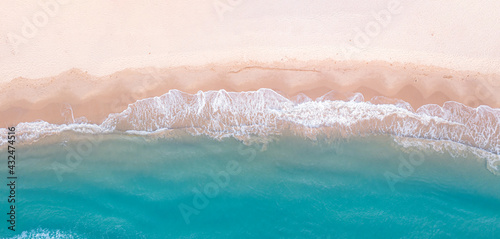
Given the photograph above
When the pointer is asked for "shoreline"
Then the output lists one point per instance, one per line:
(266, 113)
(74, 94)
(406, 143)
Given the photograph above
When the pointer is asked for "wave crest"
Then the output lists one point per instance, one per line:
(264, 112)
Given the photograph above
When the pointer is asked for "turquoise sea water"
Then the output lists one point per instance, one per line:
(196, 187)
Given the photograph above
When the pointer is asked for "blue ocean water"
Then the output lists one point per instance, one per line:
(197, 187)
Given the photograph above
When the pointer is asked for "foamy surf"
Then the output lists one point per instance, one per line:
(264, 112)
(45, 233)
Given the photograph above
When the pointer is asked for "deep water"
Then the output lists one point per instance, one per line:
(196, 187)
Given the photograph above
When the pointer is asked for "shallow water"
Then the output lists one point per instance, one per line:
(197, 187)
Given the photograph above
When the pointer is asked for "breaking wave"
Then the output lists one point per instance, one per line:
(45, 233)
(264, 112)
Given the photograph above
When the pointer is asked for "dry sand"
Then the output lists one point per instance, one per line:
(52, 99)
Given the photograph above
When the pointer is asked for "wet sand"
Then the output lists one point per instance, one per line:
(74, 94)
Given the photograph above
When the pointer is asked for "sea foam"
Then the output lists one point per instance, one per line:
(45, 233)
(264, 112)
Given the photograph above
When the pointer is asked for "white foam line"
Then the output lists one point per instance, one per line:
(264, 112)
